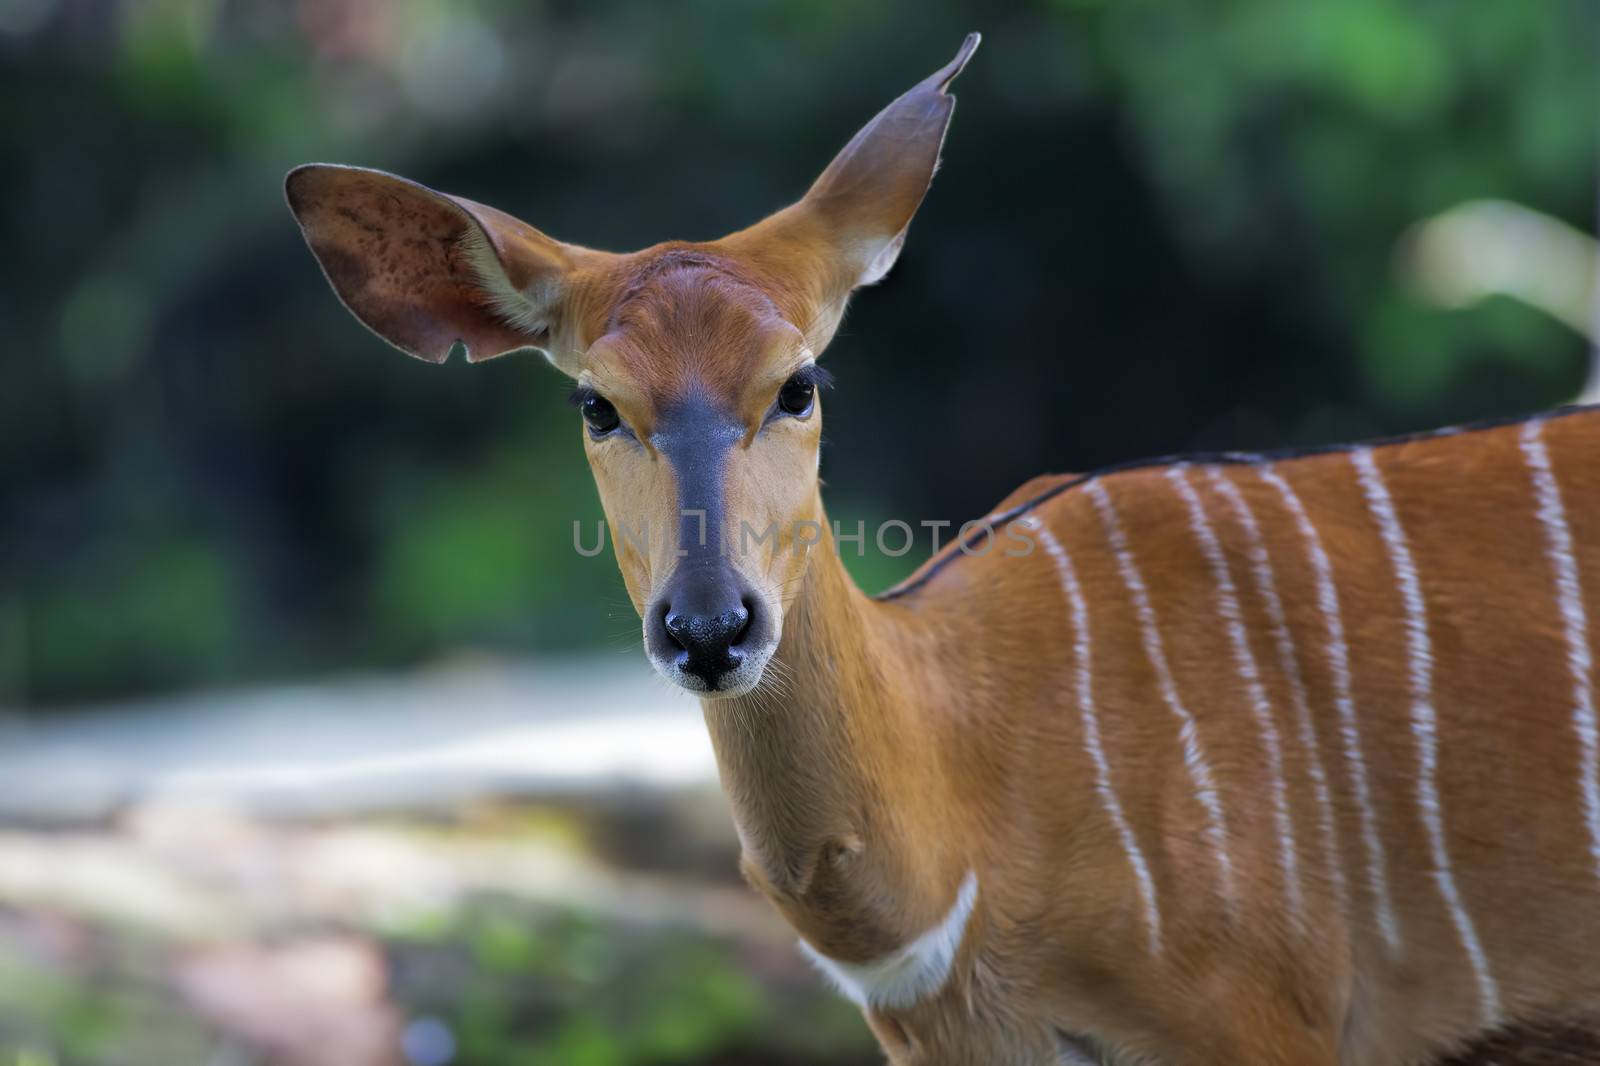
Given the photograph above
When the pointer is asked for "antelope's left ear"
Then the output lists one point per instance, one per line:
(866, 197)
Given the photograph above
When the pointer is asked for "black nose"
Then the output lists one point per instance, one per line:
(710, 642)
(703, 622)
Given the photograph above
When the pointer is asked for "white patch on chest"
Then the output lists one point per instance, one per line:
(910, 973)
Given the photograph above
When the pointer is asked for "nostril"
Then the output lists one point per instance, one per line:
(742, 616)
(674, 625)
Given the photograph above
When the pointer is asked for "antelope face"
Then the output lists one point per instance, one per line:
(702, 426)
(695, 363)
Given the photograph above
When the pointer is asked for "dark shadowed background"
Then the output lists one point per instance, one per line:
(1160, 225)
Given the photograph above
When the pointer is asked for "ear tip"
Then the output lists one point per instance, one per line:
(304, 179)
(310, 171)
(952, 69)
(311, 179)
(294, 182)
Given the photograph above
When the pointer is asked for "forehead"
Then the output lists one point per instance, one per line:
(690, 326)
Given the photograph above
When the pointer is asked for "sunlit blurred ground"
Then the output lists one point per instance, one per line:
(425, 739)
(480, 864)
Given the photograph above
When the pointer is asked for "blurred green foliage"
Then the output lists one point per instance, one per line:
(1162, 224)
(568, 989)
(55, 1018)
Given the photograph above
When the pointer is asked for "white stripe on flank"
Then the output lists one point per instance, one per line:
(910, 973)
(1194, 756)
(1344, 704)
(1425, 724)
(1267, 588)
(1082, 653)
(1244, 662)
(1575, 620)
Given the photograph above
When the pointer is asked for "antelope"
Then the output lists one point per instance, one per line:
(1283, 758)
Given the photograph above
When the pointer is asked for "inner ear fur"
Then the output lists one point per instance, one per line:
(428, 272)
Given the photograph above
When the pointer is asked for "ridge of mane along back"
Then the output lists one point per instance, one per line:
(1046, 487)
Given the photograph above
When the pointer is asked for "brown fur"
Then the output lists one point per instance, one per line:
(893, 745)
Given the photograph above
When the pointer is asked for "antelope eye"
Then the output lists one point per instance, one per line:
(796, 396)
(599, 415)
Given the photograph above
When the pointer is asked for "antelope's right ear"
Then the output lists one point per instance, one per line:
(866, 197)
(428, 272)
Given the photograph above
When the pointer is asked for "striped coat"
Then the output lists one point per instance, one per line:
(1333, 711)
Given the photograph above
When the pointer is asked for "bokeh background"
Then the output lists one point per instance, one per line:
(323, 746)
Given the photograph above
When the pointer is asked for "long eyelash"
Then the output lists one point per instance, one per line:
(815, 376)
(581, 395)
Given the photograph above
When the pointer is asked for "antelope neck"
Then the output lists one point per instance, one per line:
(817, 761)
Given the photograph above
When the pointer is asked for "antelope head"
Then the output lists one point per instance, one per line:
(695, 363)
